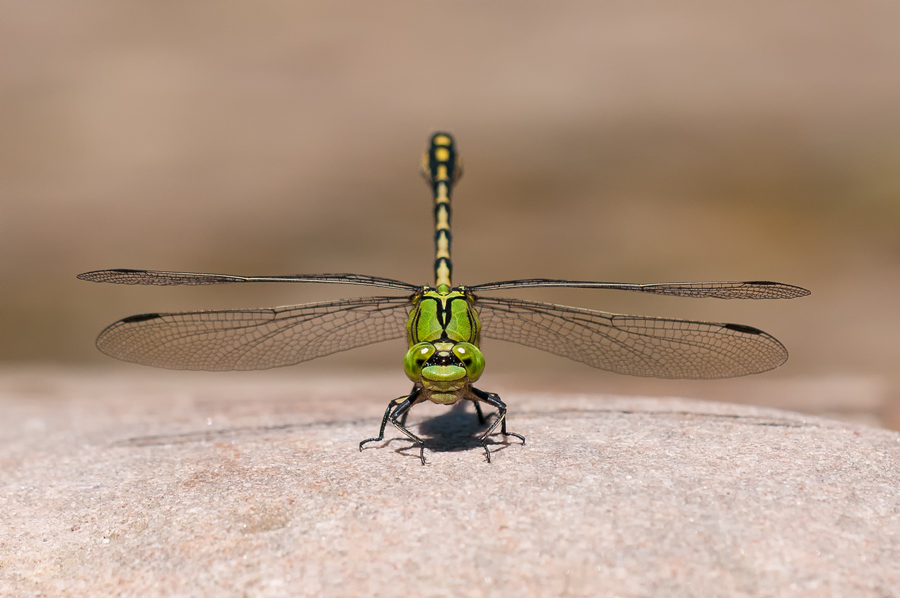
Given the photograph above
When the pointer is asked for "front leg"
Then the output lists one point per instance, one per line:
(481, 418)
(493, 400)
(396, 409)
(406, 413)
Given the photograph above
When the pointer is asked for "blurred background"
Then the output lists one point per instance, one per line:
(619, 141)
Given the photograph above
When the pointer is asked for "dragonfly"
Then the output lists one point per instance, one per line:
(443, 325)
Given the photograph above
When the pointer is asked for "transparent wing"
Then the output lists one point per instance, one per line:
(756, 289)
(254, 339)
(634, 345)
(158, 277)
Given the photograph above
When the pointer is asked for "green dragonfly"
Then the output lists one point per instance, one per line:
(443, 325)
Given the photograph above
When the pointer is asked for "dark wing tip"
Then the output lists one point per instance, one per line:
(743, 328)
(139, 318)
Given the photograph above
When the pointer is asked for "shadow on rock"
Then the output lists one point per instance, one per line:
(459, 430)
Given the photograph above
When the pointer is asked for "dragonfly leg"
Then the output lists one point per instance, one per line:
(493, 399)
(406, 413)
(481, 418)
(401, 411)
(384, 420)
(395, 410)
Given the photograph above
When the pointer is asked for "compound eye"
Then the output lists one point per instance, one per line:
(415, 360)
(464, 352)
(471, 357)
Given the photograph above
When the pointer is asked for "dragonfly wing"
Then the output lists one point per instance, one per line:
(254, 339)
(755, 289)
(164, 278)
(634, 345)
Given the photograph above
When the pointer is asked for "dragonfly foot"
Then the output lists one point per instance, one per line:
(397, 409)
(493, 399)
(369, 440)
(519, 436)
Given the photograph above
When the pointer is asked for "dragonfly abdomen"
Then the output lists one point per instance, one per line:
(441, 167)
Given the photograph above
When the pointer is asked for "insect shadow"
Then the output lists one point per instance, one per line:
(457, 429)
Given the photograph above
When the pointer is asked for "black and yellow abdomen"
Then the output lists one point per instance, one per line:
(442, 168)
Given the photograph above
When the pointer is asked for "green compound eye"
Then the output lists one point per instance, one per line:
(415, 360)
(472, 358)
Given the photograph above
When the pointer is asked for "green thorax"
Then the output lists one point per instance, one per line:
(443, 315)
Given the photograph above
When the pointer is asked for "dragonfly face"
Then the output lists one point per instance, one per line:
(443, 331)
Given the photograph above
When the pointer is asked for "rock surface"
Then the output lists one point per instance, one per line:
(159, 484)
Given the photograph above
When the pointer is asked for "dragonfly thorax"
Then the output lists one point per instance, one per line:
(439, 315)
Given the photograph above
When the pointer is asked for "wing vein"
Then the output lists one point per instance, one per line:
(756, 289)
(635, 345)
(254, 339)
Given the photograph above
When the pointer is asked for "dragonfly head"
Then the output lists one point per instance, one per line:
(444, 368)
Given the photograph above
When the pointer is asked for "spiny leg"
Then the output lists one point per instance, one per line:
(401, 411)
(493, 399)
(481, 418)
(396, 409)
(387, 412)
(406, 413)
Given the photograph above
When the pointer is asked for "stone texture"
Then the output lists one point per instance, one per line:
(140, 483)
